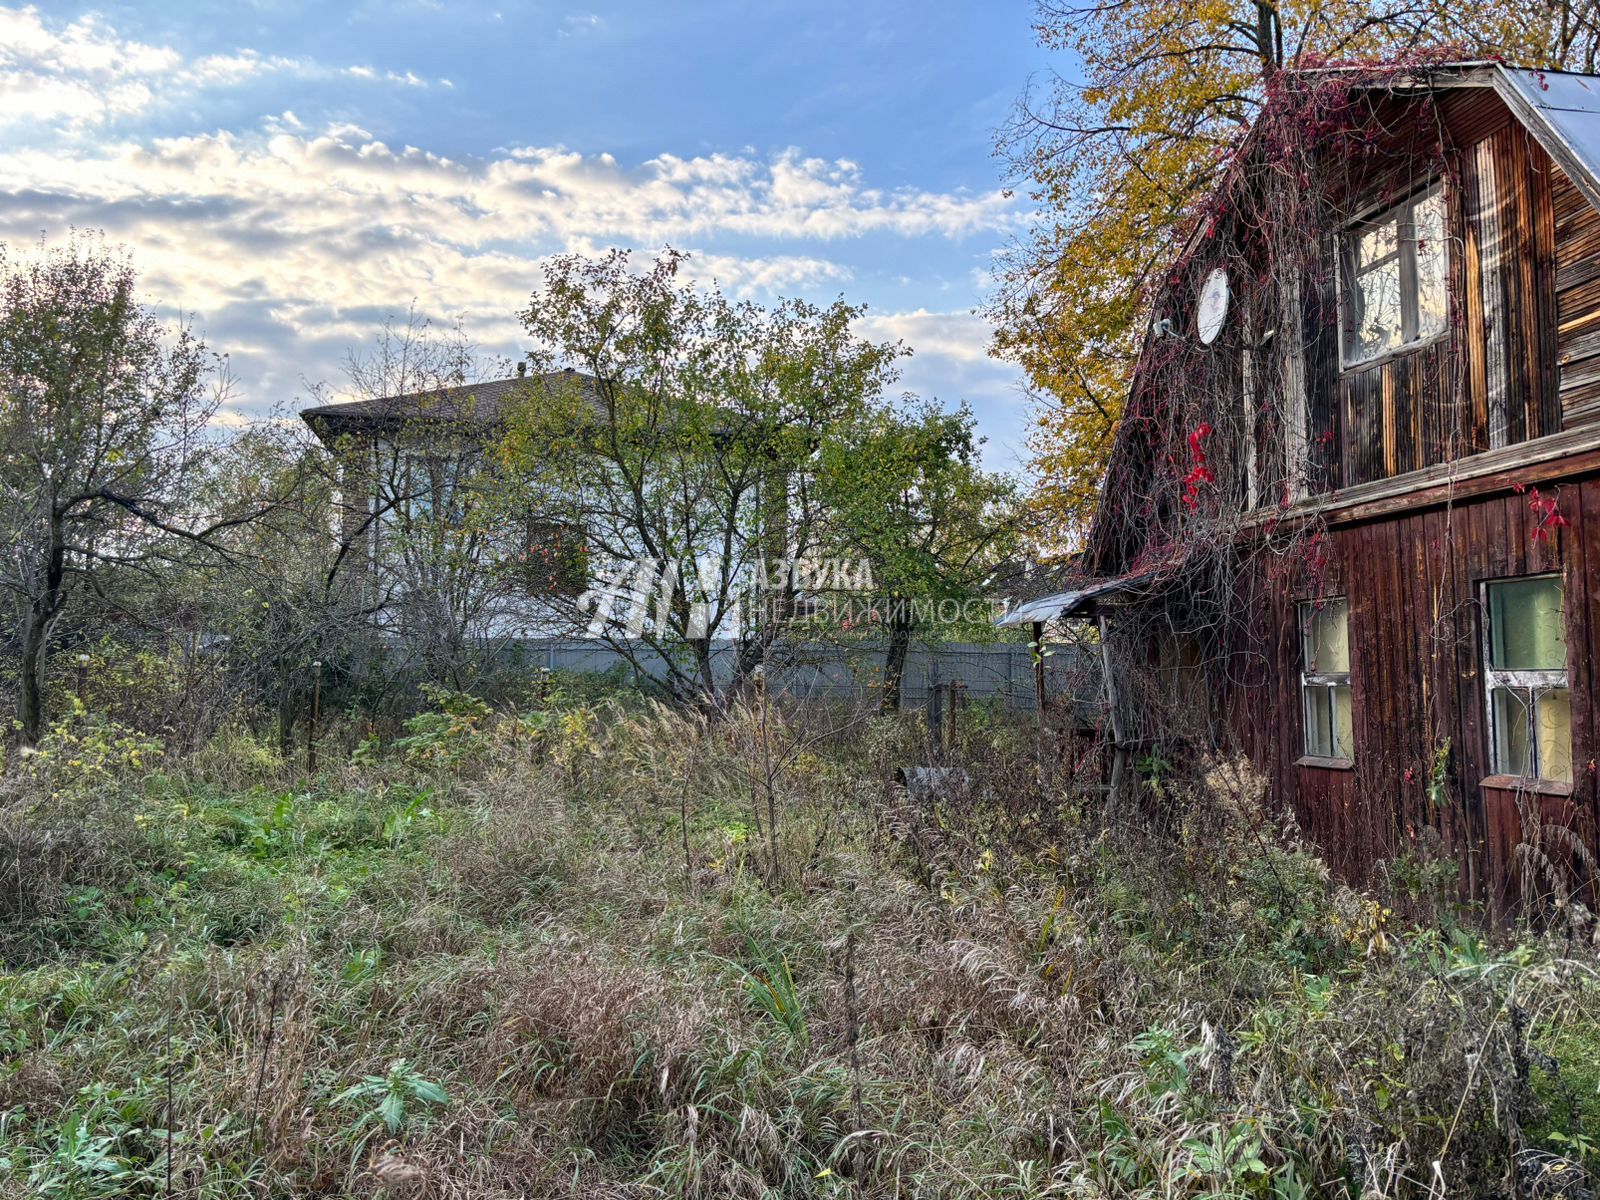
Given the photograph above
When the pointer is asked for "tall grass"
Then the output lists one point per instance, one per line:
(629, 952)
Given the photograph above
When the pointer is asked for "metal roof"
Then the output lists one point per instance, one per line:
(1065, 604)
(1562, 112)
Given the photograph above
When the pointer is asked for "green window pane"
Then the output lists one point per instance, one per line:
(1327, 637)
(1527, 628)
(1553, 728)
(1511, 731)
(1343, 723)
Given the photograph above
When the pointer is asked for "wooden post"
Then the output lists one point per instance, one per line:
(83, 677)
(1119, 735)
(1038, 669)
(315, 716)
(957, 698)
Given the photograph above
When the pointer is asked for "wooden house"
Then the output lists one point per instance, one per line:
(1351, 522)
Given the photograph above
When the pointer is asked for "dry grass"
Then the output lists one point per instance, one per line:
(667, 958)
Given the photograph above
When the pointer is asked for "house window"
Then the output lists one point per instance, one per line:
(1394, 278)
(1325, 678)
(1530, 710)
(431, 486)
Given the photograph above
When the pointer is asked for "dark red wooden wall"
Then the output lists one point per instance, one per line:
(1413, 583)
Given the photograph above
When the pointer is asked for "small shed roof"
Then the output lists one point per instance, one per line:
(1075, 601)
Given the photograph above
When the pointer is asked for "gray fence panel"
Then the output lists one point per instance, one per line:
(810, 670)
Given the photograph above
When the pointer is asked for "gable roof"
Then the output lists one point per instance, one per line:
(484, 403)
(1559, 109)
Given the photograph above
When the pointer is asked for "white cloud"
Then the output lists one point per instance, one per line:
(407, 207)
(950, 361)
(81, 74)
(578, 23)
(403, 78)
(747, 276)
(292, 243)
(294, 240)
(962, 336)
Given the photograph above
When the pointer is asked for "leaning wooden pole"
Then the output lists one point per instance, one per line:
(1119, 734)
(1038, 669)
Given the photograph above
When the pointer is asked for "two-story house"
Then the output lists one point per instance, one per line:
(1351, 521)
(628, 517)
(420, 529)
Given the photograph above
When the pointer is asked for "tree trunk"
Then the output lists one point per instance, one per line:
(31, 707)
(285, 712)
(42, 614)
(1269, 37)
(704, 671)
(894, 662)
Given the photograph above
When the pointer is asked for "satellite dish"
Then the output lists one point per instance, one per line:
(1213, 308)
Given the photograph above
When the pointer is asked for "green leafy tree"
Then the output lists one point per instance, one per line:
(419, 544)
(681, 456)
(290, 590)
(103, 419)
(907, 492)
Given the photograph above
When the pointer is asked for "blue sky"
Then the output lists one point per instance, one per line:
(293, 172)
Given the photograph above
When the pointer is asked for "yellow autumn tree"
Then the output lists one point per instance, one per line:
(1117, 155)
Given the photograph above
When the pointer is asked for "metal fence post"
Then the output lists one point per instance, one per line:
(1038, 668)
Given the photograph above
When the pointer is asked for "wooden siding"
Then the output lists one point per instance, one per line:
(1577, 232)
(1491, 379)
(1413, 583)
(1413, 465)
(1401, 415)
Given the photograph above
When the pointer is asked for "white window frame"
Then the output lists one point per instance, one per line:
(1325, 681)
(1532, 683)
(1402, 214)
